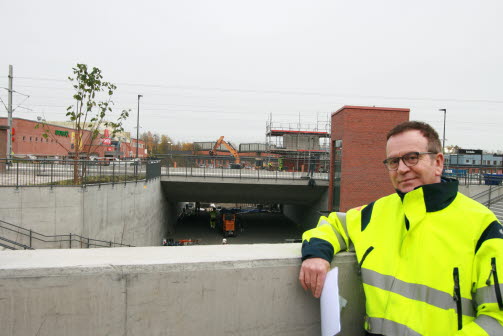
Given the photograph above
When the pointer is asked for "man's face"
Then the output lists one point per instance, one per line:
(428, 170)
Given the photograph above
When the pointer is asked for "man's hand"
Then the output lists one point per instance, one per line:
(312, 275)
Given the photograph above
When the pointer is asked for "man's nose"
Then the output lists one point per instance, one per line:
(402, 167)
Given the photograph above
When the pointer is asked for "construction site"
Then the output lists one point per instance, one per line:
(289, 147)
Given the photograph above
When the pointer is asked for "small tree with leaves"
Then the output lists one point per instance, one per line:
(93, 103)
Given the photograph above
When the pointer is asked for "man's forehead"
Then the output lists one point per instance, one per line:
(405, 142)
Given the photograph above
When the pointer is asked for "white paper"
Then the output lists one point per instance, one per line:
(329, 301)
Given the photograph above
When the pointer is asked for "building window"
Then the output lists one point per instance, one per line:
(467, 161)
(36, 138)
(473, 161)
(495, 163)
(24, 137)
(30, 138)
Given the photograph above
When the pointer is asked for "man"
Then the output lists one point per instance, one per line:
(429, 256)
(213, 217)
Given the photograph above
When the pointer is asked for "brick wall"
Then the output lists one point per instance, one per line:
(363, 133)
(3, 142)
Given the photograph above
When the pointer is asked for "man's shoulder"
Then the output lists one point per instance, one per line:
(385, 200)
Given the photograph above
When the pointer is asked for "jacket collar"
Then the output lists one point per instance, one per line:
(437, 196)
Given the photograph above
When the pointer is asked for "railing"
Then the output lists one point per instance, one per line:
(69, 172)
(467, 178)
(241, 173)
(4, 241)
(72, 240)
(489, 196)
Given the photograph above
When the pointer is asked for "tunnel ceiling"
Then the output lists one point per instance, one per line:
(178, 191)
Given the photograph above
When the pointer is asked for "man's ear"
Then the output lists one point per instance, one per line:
(439, 164)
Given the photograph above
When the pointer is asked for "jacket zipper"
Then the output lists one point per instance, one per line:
(496, 283)
(363, 259)
(457, 297)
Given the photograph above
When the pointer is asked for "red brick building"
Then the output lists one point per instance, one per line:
(358, 145)
(27, 139)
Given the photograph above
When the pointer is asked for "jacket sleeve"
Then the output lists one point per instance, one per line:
(487, 284)
(327, 238)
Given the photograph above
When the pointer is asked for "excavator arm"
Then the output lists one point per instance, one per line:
(231, 149)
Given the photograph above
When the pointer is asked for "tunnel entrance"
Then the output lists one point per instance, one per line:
(255, 224)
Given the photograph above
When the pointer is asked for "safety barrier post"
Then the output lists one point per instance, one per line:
(113, 173)
(70, 238)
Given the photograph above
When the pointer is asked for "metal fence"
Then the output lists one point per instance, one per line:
(30, 237)
(467, 178)
(240, 173)
(69, 172)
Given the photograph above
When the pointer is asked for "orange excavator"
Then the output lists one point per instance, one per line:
(221, 141)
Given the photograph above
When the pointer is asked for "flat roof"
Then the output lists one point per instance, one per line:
(351, 107)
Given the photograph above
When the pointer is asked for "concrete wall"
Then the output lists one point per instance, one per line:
(187, 290)
(131, 213)
(306, 216)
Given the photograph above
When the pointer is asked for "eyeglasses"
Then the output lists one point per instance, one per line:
(409, 159)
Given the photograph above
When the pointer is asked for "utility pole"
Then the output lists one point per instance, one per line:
(9, 112)
(138, 127)
(443, 141)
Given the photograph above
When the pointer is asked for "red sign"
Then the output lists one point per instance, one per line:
(107, 141)
(106, 133)
(110, 149)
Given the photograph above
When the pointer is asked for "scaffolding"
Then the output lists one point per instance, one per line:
(306, 144)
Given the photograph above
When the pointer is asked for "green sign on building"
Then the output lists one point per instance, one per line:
(61, 133)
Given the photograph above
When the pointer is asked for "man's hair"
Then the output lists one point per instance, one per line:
(426, 130)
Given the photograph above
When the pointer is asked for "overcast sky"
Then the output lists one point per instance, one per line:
(212, 68)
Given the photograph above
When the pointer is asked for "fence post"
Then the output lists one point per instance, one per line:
(52, 173)
(30, 237)
(87, 242)
(17, 174)
(110, 243)
(70, 240)
(489, 201)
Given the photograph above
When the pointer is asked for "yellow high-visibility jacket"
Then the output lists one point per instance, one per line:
(431, 261)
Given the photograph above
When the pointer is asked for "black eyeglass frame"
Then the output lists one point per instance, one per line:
(403, 158)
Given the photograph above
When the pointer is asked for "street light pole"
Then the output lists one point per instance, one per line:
(138, 128)
(443, 141)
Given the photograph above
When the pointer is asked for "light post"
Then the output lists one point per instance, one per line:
(443, 141)
(138, 128)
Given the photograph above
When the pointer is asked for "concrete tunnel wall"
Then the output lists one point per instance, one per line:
(131, 213)
(186, 290)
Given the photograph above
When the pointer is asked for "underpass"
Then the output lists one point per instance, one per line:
(300, 200)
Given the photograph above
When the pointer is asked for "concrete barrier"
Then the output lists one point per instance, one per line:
(128, 213)
(185, 290)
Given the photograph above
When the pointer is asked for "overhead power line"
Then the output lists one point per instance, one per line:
(284, 92)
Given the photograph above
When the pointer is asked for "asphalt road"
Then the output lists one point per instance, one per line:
(257, 228)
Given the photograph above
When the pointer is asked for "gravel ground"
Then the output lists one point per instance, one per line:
(257, 228)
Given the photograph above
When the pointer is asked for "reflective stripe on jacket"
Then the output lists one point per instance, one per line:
(431, 261)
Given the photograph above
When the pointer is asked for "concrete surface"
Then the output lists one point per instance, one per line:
(228, 190)
(185, 290)
(131, 213)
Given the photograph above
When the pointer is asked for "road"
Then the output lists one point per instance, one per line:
(257, 228)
